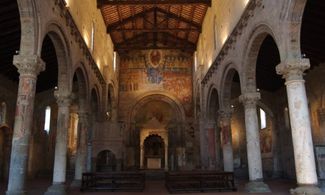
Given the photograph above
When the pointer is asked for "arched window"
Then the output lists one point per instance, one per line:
(47, 119)
(92, 38)
(262, 118)
(215, 32)
(114, 60)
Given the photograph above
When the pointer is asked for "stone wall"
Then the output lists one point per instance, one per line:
(219, 22)
(86, 15)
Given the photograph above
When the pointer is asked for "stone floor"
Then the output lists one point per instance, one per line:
(278, 187)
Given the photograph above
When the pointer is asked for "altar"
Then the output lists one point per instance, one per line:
(154, 163)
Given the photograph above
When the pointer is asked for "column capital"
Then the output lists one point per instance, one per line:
(224, 117)
(210, 124)
(293, 69)
(63, 99)
(250, 99)
(29, 64)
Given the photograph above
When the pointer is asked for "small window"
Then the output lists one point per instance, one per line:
(114, 61)
(92, 37)
(195, 61)
(47, 119)
(214, 33)
(262, 119)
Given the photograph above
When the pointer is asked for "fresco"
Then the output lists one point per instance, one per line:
(158, 110)
(164, 70)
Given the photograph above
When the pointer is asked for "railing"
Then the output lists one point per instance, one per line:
(201, 181)
(113, 181)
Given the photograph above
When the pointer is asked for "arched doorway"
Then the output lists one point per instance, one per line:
(154, 152)
(106, 161)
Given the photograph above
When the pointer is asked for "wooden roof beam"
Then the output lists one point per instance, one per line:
(151, 2)
(115, 25)
(186, 48)
(138, 41)
(155, 29)
(180, 18)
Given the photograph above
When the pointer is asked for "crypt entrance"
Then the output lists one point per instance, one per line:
(155, 135)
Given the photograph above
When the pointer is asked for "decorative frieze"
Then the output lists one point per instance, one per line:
(74, 31)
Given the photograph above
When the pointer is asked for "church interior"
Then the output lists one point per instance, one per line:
(162, 87)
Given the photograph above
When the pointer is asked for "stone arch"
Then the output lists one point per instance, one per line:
(95, 100)
(82, 81)
(154, 145)
(62, 50)
(213, 103)
(157, 95)
(29, 27)
(226, 85)
(255, 41)
(294, 15)
(106, 161)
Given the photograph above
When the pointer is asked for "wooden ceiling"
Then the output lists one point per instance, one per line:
(154, 24)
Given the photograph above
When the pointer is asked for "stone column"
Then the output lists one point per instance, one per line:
(292, 71)
(226, 140)
(60, 158)
(81, 148)
(90, 145)
(256, 184)
(28, 67)
(141, 156)
(203, 145)
(89, 155)
(210, 133)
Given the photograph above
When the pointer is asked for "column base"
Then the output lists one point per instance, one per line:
(16, 193)
(56, 189)
(76, 183)
(306, 190)
(257, 187)
(321, 184)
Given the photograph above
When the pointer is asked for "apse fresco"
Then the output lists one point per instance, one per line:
(155, 110)
(163, 70)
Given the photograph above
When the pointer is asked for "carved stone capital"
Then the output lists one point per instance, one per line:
(63, 100)
(250, 99)
(293, 69)
(210, 124)
(224, 118)
(29, 65)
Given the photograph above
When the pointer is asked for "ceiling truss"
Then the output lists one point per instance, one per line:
(154, 24)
